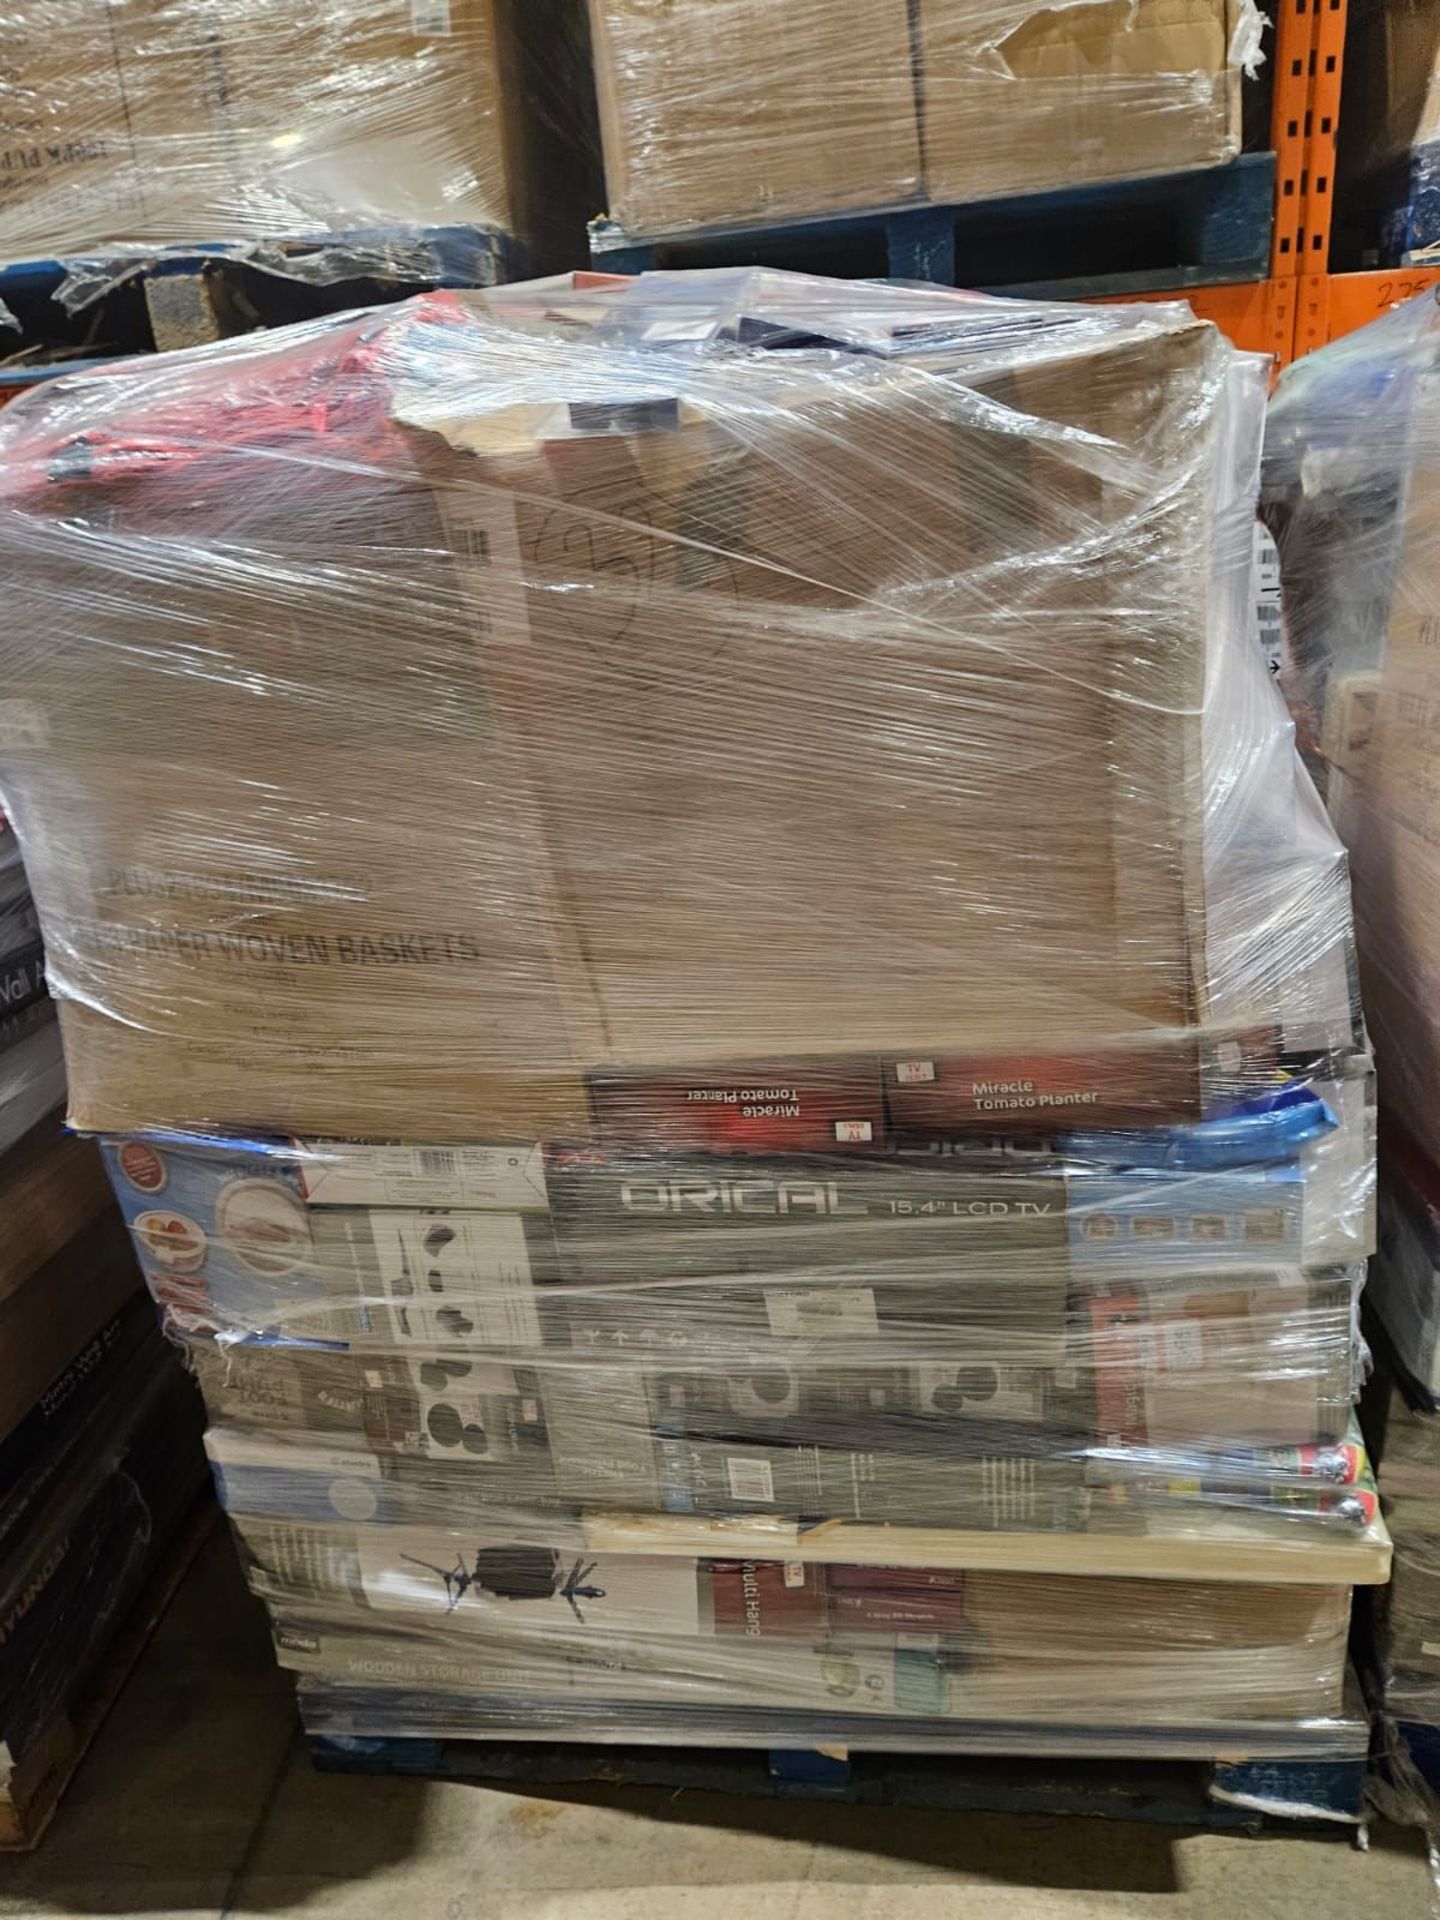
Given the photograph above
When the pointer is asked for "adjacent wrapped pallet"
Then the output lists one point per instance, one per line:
(1353, 479)
(720, 1011)
(718, 114)
(155, 121)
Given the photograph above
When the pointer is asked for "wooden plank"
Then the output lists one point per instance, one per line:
(1284, 1553)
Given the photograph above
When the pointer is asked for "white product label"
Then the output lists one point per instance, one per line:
(23, 724)
(914, 1073)
(794, 1573)
(751, 1481)
(485, 541)
(1432, 1647)
(1269, 615)
(805, 1312)
(228, 1447)
(507, 1179)
(431, 18)
(1184, 1346)
(851, 1133)
(456, 1279)
(1147, 1347)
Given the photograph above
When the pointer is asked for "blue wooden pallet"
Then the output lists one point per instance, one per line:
(1247, 1796)
(1204, 228)
(279, 282)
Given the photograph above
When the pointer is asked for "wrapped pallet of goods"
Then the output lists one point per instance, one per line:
(1353, 492)
(722, 1015)
(177, 171)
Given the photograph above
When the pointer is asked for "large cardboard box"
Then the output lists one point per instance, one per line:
(163, 120)
(718, 114)
(724, 725)
(1017, 98)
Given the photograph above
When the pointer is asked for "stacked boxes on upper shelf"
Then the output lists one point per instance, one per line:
(1354, 495)
(718, 114)
(718, 1008)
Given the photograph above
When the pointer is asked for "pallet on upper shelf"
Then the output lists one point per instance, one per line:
(56, 315)
(1118, 1778)
(1172, 231)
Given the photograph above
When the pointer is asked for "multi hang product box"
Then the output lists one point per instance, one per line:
(944, 771)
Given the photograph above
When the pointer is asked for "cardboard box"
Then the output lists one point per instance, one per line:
(607, 1453)
(1209, 1656)
(713, 116)
(49, 1317)
(728, 850)
(723, 116)
(232, 1239)
(1017, 98)
(158, 121)
(1404, 1283)
(1267, 1362)
(52, 1187)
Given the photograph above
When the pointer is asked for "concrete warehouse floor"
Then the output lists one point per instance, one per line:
(198, 1799)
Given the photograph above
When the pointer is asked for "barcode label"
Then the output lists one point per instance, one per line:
(484, 539)
(430, 16)
(808, 1312)
(437, 1160)
(1184, 1346)
(23, 723)
(1269, 612)
(751, 1481)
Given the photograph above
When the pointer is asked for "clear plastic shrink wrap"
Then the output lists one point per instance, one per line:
(1352, 485)
(717, 112)
(763, 792)
(1353, 493)
(156, 121)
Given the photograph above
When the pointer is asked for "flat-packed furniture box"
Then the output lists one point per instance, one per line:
(279, 910)
(532, 1613)
(727, 112)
